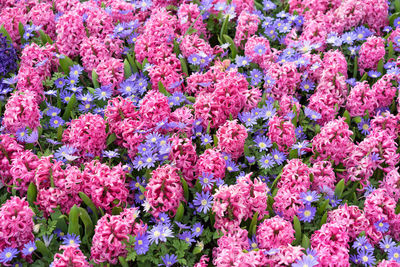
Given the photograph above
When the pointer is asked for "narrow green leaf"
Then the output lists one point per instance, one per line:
(176, 48)
(66, 63)
(60, 131)
(44, 37)
(322, 206)
(232, 45)
(32, 194)
(144, 63)
(87, 221)
(339, 189)
(116, 210)
(95, 78)
(253, 224)
(293, 154)
(111, 138)
(355, 68)
(364, 77)
(162, 89)
(215, 140)
(184, 66)
(21, 30)
(380, 66)
(297, 228)
(347, 117)
(324, 218)
(224, 28)
(127, 69)
(185, 189)
(397, 5)
(70, 106)
(122, 261)
(88, 202)
(179, 213)
(40, 246)
(73, 227)
(5, 33)
(305, 242)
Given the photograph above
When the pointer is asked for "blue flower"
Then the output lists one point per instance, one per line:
(364, 126)
(197, 229)
(194, 59)
(203, 201)
(242, 61)
(29, 248)
(141, 244)
(103, 93)
(263, 143)
(8, 254)
(207, 180)
(307, 213)
(267, 161)
(206, 139)
(394, 254)
(279, 157)
(56, 121)
(367, 258)
(22, 134)
(186, 236)
(305, 261)
(169, 260)
(387, 243)
(158, 233)
(381, 226)
(309, 197)
(71, 240)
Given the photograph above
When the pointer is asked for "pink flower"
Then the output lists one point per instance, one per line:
(274, 233)
(286, 79)
(247, 26)
(164, 191)
(23, 170)
(87, 134)
(71, 256)
(282, 133)
(9, 149)
(183, 154)
(154, 108)
(370, 53)
(231, 138)
(361, 99)
(211, 161)
(324, 176)
(110, 72)
(16, 223)
(70, 33)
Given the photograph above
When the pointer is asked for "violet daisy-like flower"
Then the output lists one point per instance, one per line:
(381, 226)
(366, 258)
(141, 244)
(307, 213)
(203, 202)
(197, 229)
(267, 161)
(263, 143)
(207, 180)
(305, 261)
(22, 134)
(186, 236)
(169, 260)
(394, 254)
(71, 240)
(8, 254)
(29, 248)
(309, 197)
(364, 126)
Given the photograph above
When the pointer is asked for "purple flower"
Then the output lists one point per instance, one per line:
(313, 115)
(103, 93)
(263, 143)
(194, 59)
(71, 240)
(206, 139)
(141, 244)
(242, 61)
(29, 248)
(22, 135)
(307, 213)
(367, 258)
(158, 233)
(305, 261)
(8, 254)
(207, 180)
(394, 254)
(387, 243)
(186, 236)
(197, 229)
(381, 226)
(309, 197)
(364, 126)
(203, 201)
(266, 161)
(56, 121)
(169, 260)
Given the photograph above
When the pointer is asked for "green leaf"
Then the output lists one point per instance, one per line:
(391, 51)
(73, 227)
(122, 261)
(145, 61)
(70, 107)
(87, 221)
(355, 68)
(95, 78)
(357, 119)
(161, 88)
(346, 115)
(297, 228)
(131, 59)
(322, 206)
(397, 5)
(127, 69)
(88, 202)
(191, 99)
(111, 138)
(393, 17)
(184, 66)
(270, 202)
(364, 77)
(60, 131)
(197, 250)
(339, 189)
(32, 194)
(275, 182)
(215, 140)
(116, 210)
(253, 224)
(176, 48)
(44, 37)
(305, 242)
(5, 33)
(380, 66)
(21, 30)
(224, 28)
(232, 45)
(293, 154)
(323, 219)
(40, 246)
(179, 212)
(66, 63)
(185, 189)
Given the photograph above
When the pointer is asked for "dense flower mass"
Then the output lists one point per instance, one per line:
(196, 133)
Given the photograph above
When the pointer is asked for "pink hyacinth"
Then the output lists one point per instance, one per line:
(326, 104)
(70, 33)
(21, 112)
(164, 191)
(391, 183)
(324, 176)
(106, 186)
(183, 154)
(16, 223)
(275, 233)
(211, 161)
(361, 99)
(263, 59)
(87, 134)
(384, 90)
(333, 142)
(188, 17)
(370, 53)
(111, 234)
(235, 203)
(193, 44)
(231, 138)
(282, 133)
(247, 26)
(42, 14)
(286, 79)
(331, 244)
(154, 108)
(168, 72)
(71, 255)
(23, 170)
(110, 72)
(9, 149)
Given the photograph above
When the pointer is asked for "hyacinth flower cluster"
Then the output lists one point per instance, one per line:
(199, 133)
